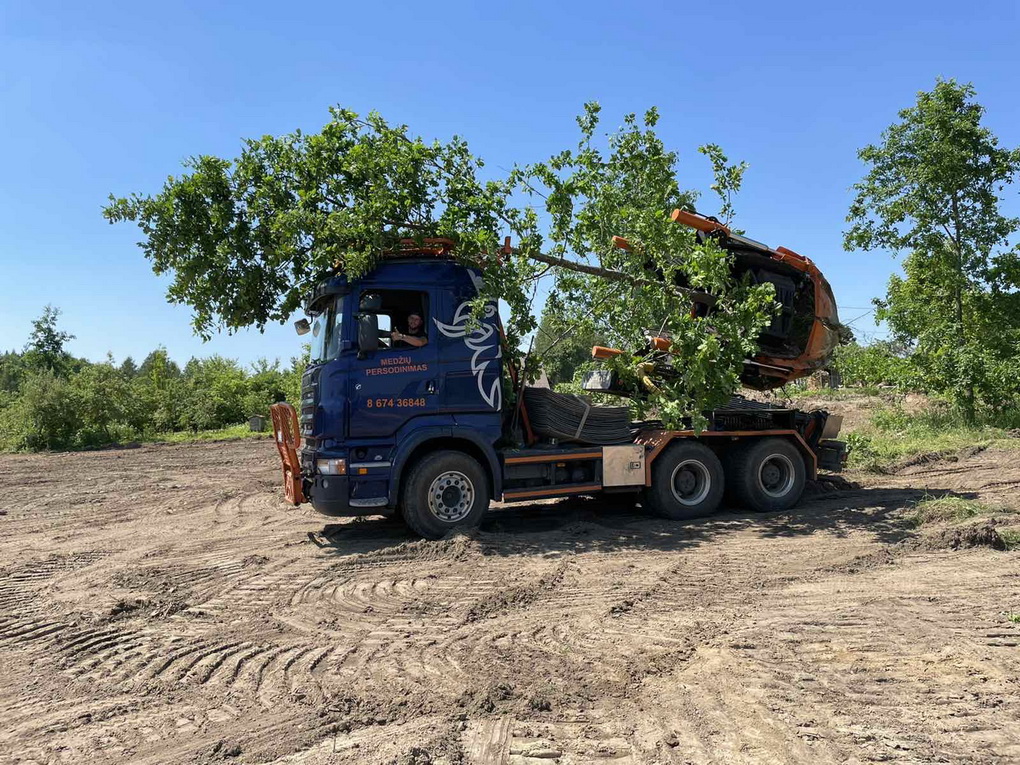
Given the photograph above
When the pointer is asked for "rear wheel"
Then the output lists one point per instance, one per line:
(446, 490)
(687, 482)
(766, 475)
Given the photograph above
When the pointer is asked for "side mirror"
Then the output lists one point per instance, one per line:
(302, 327)
(368, 333)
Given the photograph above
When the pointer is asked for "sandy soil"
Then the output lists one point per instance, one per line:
(163, 605)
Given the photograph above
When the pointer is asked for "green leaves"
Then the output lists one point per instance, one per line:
(244, 239)
(727, 178)
(933, 189)
(627, 185)
(45, 348)
(880, 363)
(563, 345)
(934, 178)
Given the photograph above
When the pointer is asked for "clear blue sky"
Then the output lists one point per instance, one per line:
(99, 97)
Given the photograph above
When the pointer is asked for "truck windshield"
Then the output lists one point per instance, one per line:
(327, 329)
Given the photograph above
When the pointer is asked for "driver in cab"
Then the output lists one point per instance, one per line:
(415, 335)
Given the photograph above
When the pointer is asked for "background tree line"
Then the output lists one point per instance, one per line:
(933, 191)
(51, 400)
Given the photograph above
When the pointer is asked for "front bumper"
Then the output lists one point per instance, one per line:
(328, 494)
(331, 495)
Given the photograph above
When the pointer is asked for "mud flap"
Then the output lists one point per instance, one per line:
(288, 440)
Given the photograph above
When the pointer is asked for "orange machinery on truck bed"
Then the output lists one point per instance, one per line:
(802, 337)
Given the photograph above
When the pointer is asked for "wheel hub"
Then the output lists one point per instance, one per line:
(776, 475)
(690, 482)
(451, 496)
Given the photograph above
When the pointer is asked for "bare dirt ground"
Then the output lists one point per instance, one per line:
(163, 605)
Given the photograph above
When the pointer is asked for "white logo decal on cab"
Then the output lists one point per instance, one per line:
(477, 339)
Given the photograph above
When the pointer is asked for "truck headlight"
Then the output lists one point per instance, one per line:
(331, 467)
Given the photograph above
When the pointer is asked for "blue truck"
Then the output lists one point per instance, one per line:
(432, 424)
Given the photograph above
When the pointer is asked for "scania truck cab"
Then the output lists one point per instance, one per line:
(372, 405)
(422, 431)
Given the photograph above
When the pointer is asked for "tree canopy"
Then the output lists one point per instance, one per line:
(933, 190)
(45, 346)
(244, 239)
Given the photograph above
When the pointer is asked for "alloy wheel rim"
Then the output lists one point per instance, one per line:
(451, 496)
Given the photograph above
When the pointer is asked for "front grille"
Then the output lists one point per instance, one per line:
(309, 396)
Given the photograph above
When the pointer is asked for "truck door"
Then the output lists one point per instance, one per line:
(397, 381)
(470, 355)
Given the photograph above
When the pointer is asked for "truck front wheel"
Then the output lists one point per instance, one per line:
(766, 475)
(446, 490)
(687, 482)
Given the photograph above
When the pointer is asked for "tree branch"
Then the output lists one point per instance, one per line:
(617, 276)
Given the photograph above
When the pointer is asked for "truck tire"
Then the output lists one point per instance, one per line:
(766, 475)
(446, 490)
(687, 482)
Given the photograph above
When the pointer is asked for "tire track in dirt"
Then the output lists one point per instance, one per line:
(495, 628)
(559, 619)
(570, 742)
(15, 630)
(32, 575)
(851, 672)
(132, 659)
(21, 587)
(121, 656)
(222, 618)
(36, 722)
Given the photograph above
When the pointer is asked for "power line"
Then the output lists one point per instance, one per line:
(848, 323)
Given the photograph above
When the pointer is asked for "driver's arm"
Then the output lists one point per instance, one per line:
(417, 342)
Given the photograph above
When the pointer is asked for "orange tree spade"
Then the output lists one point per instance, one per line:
(243, 239)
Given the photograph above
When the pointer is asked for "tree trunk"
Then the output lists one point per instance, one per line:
(970, 407)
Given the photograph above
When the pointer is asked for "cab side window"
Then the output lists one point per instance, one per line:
(402, 316)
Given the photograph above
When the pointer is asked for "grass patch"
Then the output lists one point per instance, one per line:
(951, 510)
(1011, 537)
(175, 437)
(836, 394)
(188, 436)
(1012, 616)
(894, 435)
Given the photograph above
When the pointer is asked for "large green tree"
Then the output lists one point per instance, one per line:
(243, 239)
(933, 191)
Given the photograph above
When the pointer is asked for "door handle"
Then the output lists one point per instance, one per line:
(430, 386)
